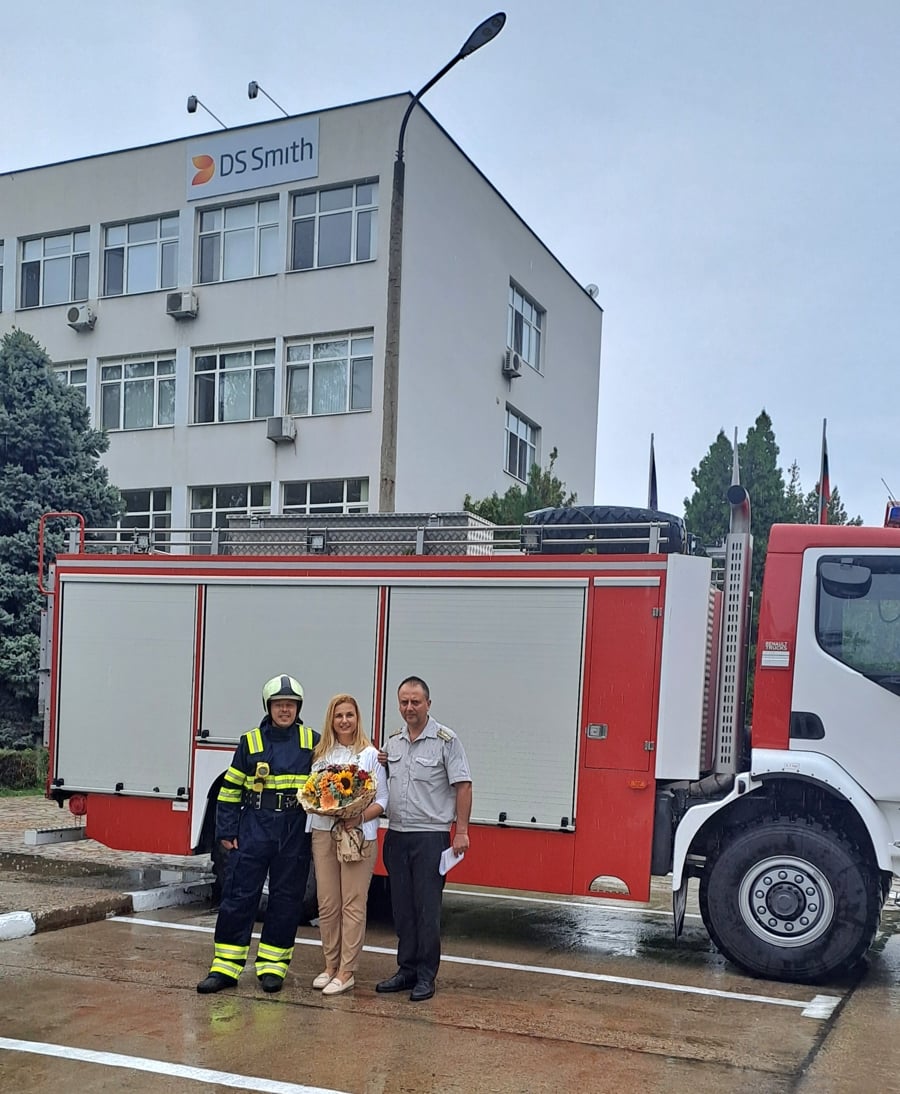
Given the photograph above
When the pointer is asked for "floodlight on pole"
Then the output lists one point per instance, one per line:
(485, 32)
(253, 89)
(192, 104)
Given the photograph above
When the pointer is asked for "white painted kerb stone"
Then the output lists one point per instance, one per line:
(16, 925)
(169, 896)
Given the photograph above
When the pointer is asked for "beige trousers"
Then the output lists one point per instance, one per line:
(342, 888)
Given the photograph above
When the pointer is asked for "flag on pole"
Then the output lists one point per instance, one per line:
(824, 481)
(652, 500)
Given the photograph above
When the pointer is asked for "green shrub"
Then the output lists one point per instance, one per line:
(23, 768)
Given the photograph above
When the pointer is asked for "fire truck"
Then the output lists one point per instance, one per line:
(595, 672)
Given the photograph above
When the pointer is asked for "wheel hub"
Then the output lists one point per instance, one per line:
(786, 901)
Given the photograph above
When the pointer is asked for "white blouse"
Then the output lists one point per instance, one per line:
(368, 760)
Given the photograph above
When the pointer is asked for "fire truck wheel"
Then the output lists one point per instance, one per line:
(310, 906)
(218, 855)
(791, 900)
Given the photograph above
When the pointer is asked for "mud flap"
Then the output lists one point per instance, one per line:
(679, 903)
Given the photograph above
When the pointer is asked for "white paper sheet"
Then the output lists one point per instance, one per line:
(449, 860)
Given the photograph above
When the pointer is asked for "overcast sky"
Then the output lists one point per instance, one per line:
(727, 172)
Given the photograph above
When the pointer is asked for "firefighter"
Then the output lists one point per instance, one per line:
(260, 825)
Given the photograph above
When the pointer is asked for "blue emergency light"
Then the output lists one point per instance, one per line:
(892, 515)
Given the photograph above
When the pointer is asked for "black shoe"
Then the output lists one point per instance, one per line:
(424, 989)
(398, 982)
(216, 981)
(270, 982)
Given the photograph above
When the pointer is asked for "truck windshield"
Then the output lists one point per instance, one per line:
(858, 615)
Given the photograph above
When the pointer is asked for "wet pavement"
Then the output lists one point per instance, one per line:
(535, 994)
(516, 1012)
(56, 885)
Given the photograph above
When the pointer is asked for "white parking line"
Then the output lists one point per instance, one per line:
(821, 1006)
(161, 1067)
(627, 908)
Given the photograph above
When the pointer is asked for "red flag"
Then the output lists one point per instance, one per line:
(824, 482)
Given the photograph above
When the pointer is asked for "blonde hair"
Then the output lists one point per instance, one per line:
(329, 740)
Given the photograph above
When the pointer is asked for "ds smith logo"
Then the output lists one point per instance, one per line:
(206, 168)
(242, 160)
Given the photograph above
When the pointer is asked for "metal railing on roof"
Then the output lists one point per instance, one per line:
(380, 534)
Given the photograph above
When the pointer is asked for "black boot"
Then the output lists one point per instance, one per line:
(216, 981)
(270, 982)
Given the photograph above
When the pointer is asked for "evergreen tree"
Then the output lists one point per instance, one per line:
(772, 501)
(837, 514)
(544, 489)
(794, 496)
(49, 460)
(707, 512)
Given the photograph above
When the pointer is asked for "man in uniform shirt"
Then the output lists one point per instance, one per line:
(430, 787)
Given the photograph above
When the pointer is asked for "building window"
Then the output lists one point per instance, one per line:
(148, 509)
(73, 374)
(239, 241)
(1, 275)
(329, 375)
(211, 507)
(137, 394)
(55, 269)
(235, 384)
(326, 496)
(526, 322)
(521, 445)
(141, 256)
(335, 226)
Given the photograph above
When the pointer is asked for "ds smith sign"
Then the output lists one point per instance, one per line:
(225, 163)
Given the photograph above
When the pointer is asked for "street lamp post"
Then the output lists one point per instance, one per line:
(479, 37)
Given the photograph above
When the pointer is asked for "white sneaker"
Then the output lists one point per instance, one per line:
(322, 979)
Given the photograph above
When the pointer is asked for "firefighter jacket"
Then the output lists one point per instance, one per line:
(269, 766)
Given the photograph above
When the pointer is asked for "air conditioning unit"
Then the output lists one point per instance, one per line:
(281, 430)
(80, 317)
(181, 305)
(512, 365)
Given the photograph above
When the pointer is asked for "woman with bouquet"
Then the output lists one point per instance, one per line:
(344, 837)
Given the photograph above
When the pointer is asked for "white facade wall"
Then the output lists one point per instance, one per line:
(461, 246)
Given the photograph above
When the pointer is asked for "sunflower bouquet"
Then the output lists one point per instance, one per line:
(339, 790)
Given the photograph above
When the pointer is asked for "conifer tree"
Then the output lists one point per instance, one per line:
(544, 489)
(49, 460)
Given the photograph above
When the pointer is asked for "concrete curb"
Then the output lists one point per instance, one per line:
(16, 925)
(21, 924)
(170, 896)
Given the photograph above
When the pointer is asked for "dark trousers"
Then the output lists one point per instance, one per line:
(412, 860)
(286, 860)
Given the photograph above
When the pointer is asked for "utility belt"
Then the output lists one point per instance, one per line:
(280, 801)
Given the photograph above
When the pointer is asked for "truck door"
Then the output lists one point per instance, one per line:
(126, 660)
(618, 738)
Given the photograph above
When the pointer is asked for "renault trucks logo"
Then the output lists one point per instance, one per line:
(206, 168)
(257, 156)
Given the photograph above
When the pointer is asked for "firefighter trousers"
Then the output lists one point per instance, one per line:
(283, 853)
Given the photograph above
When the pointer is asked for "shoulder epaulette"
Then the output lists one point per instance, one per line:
(445, 734)
(254, 741)
(395, 733)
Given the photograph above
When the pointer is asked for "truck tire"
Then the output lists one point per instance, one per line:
(309, 909)
(562, 524)
(791, 900)
(219, 857)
